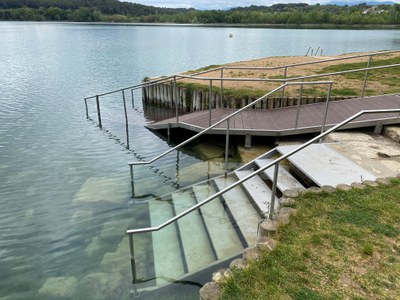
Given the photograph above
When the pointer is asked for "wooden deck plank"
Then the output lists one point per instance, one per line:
(281, 121)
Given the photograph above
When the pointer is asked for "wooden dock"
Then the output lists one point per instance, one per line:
(282, 121)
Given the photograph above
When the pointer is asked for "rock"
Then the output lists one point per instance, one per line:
(95, 247)
(290, 194)
(210, 291)
(118, 261)
(284, 202)
(370, 183)
(314, 189)
(252, 253)
(266, 227)
(288, 210)
(102, 286)
(383, 181)
(208, 151)
(221, 275)
(343, 187)
(392, 132)
(59, 287)
(357, 185)
(239, 263)
(266, 243)
(328, 189)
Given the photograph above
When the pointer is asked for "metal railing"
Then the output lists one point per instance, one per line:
(227, 118)
(275, 163)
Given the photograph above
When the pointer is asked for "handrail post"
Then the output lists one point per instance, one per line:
(222, 87)
(133, 99)
(210, 104)
(126, 120)
(328, 96)
(298, 106)
(133, 264)
(273, 195)
(366, 76)
(98, 111)
(86, 108)
(175, 96)
(132, 181)
(226, 148)
(283, 89)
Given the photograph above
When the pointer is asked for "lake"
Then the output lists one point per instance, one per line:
(65, 199)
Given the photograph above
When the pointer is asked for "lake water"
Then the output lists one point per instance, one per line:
(64, 184)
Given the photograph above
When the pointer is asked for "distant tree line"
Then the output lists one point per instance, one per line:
(115, 11)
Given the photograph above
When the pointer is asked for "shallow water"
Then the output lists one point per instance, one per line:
(65, 198)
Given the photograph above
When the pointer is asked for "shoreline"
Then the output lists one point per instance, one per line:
(226, 25)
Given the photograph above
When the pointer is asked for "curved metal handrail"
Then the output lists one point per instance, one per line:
(131, 232)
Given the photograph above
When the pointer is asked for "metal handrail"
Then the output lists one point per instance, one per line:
(131, 232)
(227, 118)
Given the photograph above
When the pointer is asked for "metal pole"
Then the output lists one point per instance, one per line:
(222, 88)
(133, 99)
(86, 107)
(133, 264)
(284, 77)
(126, 120)
(273, 195)
(366, 77)
(175, 96)
(132, 181)
(298, 106)
(226, 147)
(326, 111)
(210, 104)
(98, 111)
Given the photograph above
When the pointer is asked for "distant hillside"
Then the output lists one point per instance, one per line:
(107, 7)
(353, 3)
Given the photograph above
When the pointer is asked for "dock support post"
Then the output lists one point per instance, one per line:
(283, 89)
(226, 147)
(98, 111)
(222, 87)
(273, 195)
(298, 106)
(175, 96)
(133, 265)
(247, 141)
(86, 107)
(133, 100)
(210, 104)
(132, 181)
(328, 96)
(126, 120)
(366, 77)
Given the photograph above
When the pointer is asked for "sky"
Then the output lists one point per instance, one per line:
(224, 4)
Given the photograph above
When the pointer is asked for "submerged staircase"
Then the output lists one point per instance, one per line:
(222, 228)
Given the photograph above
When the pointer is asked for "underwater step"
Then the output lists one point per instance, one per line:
(258, 190)
(168, 262)
(325, 166)
(245, 215)
(222, 233)
(286, 180)
(195, 241)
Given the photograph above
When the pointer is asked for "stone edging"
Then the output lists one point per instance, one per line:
(212, 290)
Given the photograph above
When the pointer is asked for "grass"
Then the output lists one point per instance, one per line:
(344, 245)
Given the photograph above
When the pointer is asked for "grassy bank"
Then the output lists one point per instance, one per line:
(383, 81)
(344, 245)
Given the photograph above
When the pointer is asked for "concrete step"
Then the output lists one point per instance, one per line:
(258, 191)
(242, 210)
(195, 240)
(286, 180)
(222, 233)
(168, 262)
(325, 166)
